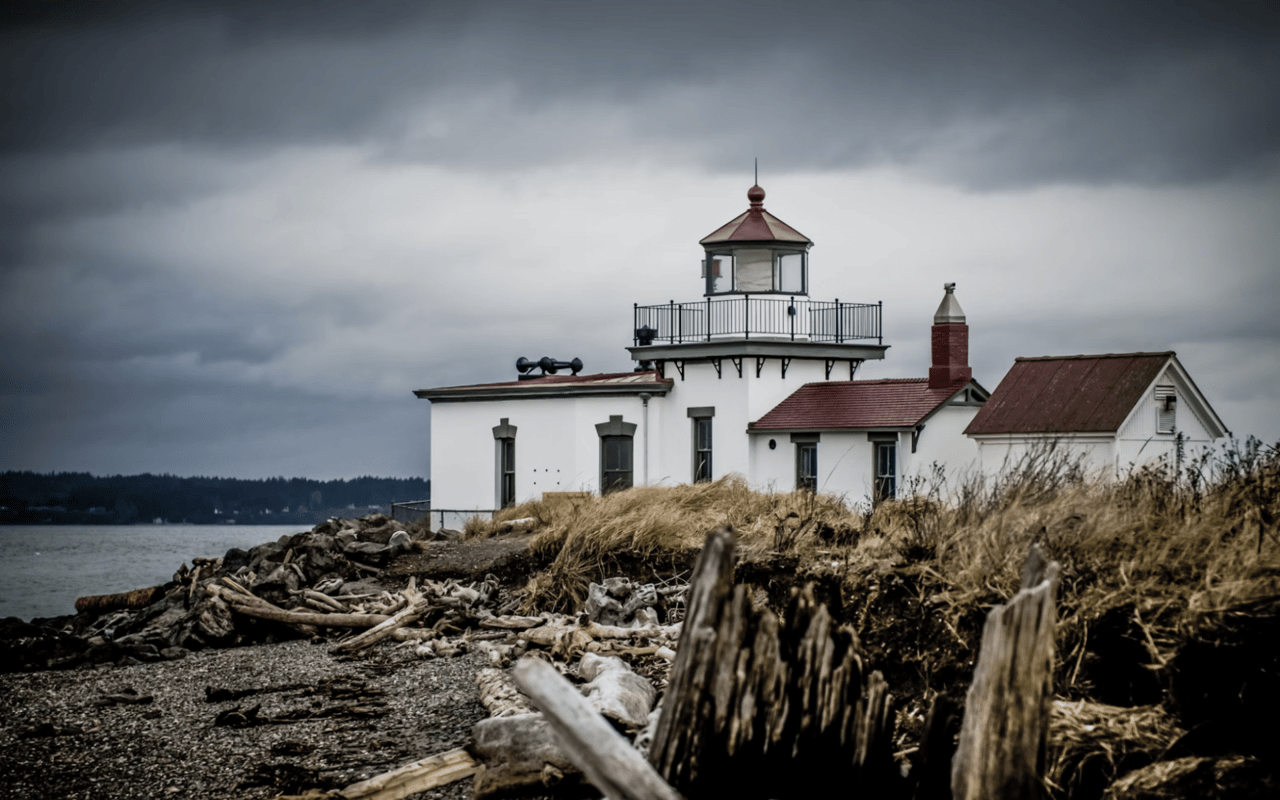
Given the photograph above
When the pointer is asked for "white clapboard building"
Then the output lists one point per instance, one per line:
(1112, 412)
(754, 379)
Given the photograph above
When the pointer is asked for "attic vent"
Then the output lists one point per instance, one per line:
(1166, 409)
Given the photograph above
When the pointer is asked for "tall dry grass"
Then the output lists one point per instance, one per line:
(1179, 547)
(1175, 551)
(585, 538)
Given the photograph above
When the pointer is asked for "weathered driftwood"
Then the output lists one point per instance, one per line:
(413, 634)
(499, 695)
(1004, 735)
(512, 623)
(615, 691)
(519, 755)
(758, 708)
(137, 598)
(325, 600)
(382, 630)
(333, 620)
(242, 601)
(419, 776)
(607, 759)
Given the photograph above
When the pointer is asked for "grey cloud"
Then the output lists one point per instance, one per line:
(211, 428)
(980, 93)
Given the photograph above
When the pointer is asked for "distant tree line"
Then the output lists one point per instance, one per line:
(78, 497)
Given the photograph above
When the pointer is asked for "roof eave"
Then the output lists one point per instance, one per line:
(525, 392)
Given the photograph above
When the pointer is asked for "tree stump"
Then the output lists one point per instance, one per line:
(761, 708)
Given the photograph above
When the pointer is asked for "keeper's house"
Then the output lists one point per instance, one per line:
(1113, 411)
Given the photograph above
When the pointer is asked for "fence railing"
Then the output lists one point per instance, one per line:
(410, 511)
(746, 316)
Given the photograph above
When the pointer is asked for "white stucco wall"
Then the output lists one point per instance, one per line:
(943, 442)
(736, 400)
(557, 448)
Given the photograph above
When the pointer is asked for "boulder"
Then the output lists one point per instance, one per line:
(615, 691)
(518, 755)
(234, 559)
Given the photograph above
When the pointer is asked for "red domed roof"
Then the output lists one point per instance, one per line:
(756, 225)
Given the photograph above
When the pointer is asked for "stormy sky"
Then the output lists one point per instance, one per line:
(234, 237)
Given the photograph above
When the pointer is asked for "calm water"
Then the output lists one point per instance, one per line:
(44, 568)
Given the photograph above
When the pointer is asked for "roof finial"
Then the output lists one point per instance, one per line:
(755, 194)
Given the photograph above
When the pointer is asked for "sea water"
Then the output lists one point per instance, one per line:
(44, 568)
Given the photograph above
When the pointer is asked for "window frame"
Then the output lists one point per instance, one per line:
(624, 476)
(615, 431)
(806, 481)
(700, 421)
(504, 464)
(884, 482)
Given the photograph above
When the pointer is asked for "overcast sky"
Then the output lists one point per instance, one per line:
(234, 237)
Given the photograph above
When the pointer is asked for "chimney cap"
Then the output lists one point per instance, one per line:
(949, 309)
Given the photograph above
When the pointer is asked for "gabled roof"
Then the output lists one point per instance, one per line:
(755, 225)
(610, 383)
(1069, 394)
(890, 403)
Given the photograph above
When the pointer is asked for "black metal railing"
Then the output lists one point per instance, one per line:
(746, 316)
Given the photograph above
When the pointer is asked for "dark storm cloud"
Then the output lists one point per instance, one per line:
(981, 93)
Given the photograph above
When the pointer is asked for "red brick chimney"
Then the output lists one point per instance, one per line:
(950, 344)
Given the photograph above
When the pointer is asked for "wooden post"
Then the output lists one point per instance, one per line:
(1002, 750)
(759, 708)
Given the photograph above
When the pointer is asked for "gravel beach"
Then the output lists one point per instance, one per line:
(323, 721)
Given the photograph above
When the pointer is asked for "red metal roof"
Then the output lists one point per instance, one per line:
(755, 225)
(547, 385)
(891, 403)
(621, 379)
(1068, 394)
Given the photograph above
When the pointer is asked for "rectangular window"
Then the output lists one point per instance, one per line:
(718, 270)
(886, 479)
(790, 273)
(807, 466)
(615, 463)
(1166, 409)
(507, 472)
(702, 450)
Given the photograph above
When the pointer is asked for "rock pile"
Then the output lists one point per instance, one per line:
(335, 565)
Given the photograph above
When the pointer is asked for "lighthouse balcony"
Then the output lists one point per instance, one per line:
(769, 317)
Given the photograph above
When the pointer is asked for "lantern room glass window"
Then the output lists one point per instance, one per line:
(789, 273)
(756, 270)
(718, 270)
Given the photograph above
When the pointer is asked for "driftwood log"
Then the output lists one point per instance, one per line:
(609, 761)
(757, 708)
(1004, 736)
(333, 620)
(419, 776)
(102, 603)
